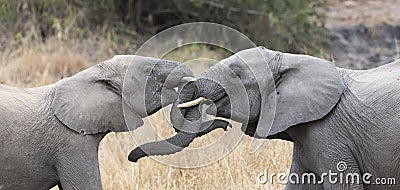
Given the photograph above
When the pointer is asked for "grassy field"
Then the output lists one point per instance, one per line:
(47, 63)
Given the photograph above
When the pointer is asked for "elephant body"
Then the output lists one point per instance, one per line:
(362, 130)
(37, 149)
(50, 135)
(342, 121)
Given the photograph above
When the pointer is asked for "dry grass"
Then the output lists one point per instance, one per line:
(44, 64)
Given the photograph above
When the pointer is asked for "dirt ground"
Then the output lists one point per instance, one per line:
(341, 13)
(364, 34)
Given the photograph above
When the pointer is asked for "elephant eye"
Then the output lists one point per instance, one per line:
(234, 75)
(236, 72)
(110, 86)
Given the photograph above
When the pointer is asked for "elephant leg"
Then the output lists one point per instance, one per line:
(304, 186)
(332, 170)
(79, 173)
(297, 171)
(77, 164)
(339, 170)
(318, 150)
(342, 180)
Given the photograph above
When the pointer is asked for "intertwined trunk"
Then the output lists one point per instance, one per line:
(181, 140)
(187, 123)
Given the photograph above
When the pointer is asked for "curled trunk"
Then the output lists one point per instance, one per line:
(176, 143)
(186, 122)
(163, 147)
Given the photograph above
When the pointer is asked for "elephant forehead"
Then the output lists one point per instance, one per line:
(250, 63)
(251, 57)
(140, 61)
(123, 57)
(122, 60)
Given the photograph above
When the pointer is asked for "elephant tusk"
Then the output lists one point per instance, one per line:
(192, 103)
(188, 79)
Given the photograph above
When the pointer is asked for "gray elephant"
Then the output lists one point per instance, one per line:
(50, 135)
(340, 121)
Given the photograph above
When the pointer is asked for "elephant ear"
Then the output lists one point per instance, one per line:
(307, 89)
(90, 102)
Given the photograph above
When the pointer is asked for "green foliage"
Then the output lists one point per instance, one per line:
(299, 24)
(284, 25)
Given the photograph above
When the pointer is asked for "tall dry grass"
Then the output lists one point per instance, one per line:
(47, 63)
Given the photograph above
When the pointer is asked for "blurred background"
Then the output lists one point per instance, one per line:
(44, 41)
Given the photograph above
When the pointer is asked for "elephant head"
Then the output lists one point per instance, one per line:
(92, 101)
(282, 89)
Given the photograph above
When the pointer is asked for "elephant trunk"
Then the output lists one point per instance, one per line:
(173, 144)
(187, 127)
(164, 147)
(181, 140)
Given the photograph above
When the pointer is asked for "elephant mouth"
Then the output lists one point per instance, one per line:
(211, 93)
(220, 109)
(218, 100)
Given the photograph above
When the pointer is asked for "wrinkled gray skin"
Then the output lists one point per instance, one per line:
(330, 114)
(50, 135)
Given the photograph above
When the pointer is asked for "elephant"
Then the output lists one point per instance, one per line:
(50, 135)
(340, 120)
